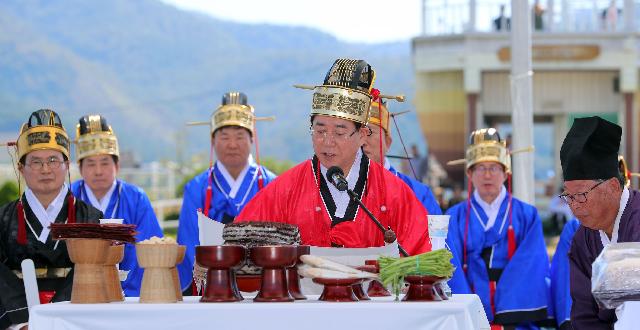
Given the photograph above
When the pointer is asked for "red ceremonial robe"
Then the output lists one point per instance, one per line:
(295, 198)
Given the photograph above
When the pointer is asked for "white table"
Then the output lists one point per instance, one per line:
(461, 312)
(628, 316)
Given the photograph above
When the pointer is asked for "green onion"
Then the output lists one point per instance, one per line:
(435, 263)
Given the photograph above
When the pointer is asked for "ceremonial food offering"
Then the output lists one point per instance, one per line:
(157, 256)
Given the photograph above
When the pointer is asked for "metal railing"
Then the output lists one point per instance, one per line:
(443, 17)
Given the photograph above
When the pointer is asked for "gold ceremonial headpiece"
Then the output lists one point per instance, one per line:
(234, 111)
(624, 171)
(345, 92)
(42, 131)
(379, 115)
(95, 137)
(485, 145)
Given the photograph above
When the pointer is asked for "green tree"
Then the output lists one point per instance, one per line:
(8, 192)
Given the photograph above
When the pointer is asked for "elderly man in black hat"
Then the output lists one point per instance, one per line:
(608, 211)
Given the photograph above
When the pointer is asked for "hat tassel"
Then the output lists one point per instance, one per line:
(260, 174)
(22, 230)
(511, 234)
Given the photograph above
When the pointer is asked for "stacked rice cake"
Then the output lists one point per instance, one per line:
(256, 233)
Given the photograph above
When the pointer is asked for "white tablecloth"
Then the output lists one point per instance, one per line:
(461, 312)
(628, 316)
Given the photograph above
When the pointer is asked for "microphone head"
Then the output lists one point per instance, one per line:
(336, 177)
(333, 170)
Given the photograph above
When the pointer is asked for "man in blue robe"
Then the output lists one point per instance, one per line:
(378, 142)
(560, 295)
(97, 155)
(607, 210)
(497, 240)
(226, 187)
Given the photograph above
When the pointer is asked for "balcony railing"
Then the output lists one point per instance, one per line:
(443, 17)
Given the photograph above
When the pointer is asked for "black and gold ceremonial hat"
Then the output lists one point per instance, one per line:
(485, 145)
(43, 131)
(379, 115)
(94, 136)
(234, 111)
(590, 150)
(345, 92)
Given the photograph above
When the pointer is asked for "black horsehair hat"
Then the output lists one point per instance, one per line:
(590, 150)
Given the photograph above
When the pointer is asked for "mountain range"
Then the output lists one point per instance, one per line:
(150, 68)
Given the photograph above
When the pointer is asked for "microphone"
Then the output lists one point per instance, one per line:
(336, 177)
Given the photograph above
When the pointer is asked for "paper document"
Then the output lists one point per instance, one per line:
(209, 230)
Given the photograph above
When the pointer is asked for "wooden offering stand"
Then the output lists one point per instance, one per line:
(112, 279)
(376, 289)
(274, 260)
(423, 288)
(219, 261)
(174, 271)
(157, 281)
(89, 257)
(338, 289)
(293, 279)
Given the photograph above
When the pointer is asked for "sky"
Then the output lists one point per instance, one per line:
(370, 21)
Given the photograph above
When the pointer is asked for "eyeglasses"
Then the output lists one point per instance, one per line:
(579, 197)
(52, 162)
(488, 169)
(322, 134)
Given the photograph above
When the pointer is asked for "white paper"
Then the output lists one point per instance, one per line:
(354, 257)
(116, 221)
(30, 283)
(209, 230)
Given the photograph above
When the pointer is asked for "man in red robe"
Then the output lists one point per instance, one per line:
(303, 196)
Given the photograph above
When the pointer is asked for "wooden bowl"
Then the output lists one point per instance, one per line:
(174, 271)
(422, 288)
(88, 250)
(219, 261)
(249, 283)
(274, 256)
(220, 256)
(338, 289)
(157, 255)
(293, 279)
(89, 257)
(112, 279)
(274, 261)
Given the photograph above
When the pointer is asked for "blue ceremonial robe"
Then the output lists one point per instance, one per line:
(560, 293)
(130, 203)
(223, 209)
(521, 291)
(422, 192)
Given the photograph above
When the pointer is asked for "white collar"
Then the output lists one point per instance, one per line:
(103, 203)
(624, 198)
(341, 198)
(491, 209)
(235, 184)
(387, 164)
(48, 216)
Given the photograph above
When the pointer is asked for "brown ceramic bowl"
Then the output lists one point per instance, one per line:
(274, 256)
(220, 256)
